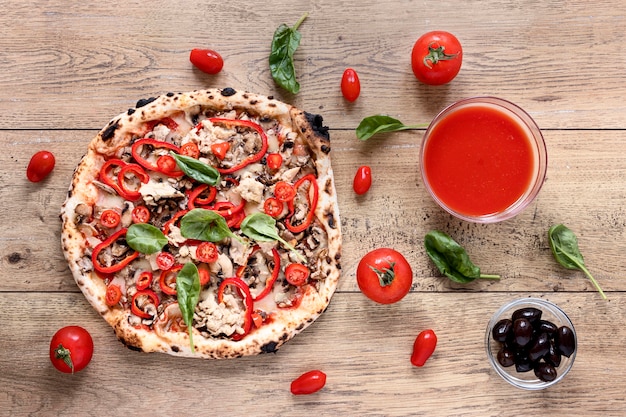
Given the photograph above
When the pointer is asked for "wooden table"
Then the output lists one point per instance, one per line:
(67, 67)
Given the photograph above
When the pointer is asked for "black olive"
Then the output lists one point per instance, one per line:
(565, 341)
(529, 313)
(545, 372)
(539, 347)
(522, 362)
(506, 357)
(545, 326)
(522, 332)
(553, 357)
(502, 330)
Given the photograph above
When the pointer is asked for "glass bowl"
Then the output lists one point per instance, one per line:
(528, 380)
(483, 159)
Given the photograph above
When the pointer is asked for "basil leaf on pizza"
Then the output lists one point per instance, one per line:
(207, 225)
(196, 169)
(145, 238)
(262, 228)
(188, 294)
(189, 253)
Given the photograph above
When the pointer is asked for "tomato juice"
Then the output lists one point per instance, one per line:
(482, 161)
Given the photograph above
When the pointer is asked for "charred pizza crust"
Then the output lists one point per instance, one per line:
(119, 133)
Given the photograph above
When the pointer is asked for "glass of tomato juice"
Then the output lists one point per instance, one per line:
(483, 159)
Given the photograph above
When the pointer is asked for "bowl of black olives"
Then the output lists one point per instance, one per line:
(531, 343)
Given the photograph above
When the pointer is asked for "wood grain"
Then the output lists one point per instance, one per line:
(66, 68)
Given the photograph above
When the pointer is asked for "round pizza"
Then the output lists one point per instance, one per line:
(206, 224)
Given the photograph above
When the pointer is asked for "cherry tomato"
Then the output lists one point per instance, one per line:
(204, 273)
(207, 252)
(40, 165)
(297, 274)
(308, 383)
(384, 275)
(167, 164)
(220, 149)
(113, 295)
(362, 180)
(423, 347)
(350, 85)
(436, 58)
(71, 349)
(110, 218)
(140, 214)
(273, 207)
(206, 60)
(274, 161)
(284, 191)
(190, 149)
(165, 261)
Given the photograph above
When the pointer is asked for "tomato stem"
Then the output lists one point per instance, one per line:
(437, 53)
(386, 275)
(61, 352)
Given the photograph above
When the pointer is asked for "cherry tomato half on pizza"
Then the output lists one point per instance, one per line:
(71, 349)
(436, 57)
(384, 275)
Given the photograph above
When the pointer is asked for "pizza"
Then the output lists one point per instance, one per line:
(205, 224)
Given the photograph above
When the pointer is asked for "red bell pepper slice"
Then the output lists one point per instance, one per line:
(165, 279)
(312, 204)
(138, 172)
(144, 280)
(139, 312)
(194, 196)
(164, 166)
(252, 158)
(269, 282)
(244, 291)
(106, 243)
(113, 180)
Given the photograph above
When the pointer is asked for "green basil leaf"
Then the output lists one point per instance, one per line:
(203, 224)
(451, 259)
(284, 44)
(262, 228)
(145, 238)
(564, 245)
(379, 123)
(188, 294)
(196, 169)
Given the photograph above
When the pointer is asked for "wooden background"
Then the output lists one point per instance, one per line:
(67, 67)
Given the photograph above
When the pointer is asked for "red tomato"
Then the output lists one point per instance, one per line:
(165, 261)
(113, 295)
(350, 85)
(71, 349)
(207, 252)
(436, 58)
(140, 214)
(284, 191)
(40, 165)
(220, 149)
(297, 274)
(206, 60)
(110, 218)
(274, 161)
(167, 164)
(190, 149)
(362, 180)
(423, 347)
(384, 276)
(308, 383)
(273, 207)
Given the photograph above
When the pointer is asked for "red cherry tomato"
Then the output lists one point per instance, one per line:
(71, 349)
(384, 276)
(207, 252)
(220, 149)
(423, 347)
(362, 180)
(40, 165)
(350, 85)
(284, 191)
(140, 214)
(273, 207)
(274, 161)
(436, 58)
(206, 60)
(165, 261)
(110, 218)
(308, 383)
(190, 149)
(113, 295)
(297, 274)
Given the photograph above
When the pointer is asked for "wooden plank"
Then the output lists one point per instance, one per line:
(363, 348)
(583, 189)
(76, 66)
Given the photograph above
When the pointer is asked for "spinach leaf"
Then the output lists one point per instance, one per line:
(262, 228)
(196, 169)
(451, 259)
(284, 44)
(188, 294)
(379, 123)
(207, 225)
(145, 238)
(564, 245)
